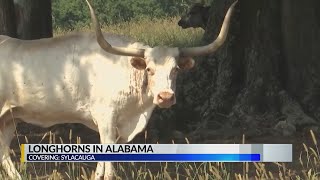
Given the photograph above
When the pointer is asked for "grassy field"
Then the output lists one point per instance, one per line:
(154, 32)
(167, 32)
(305, 167)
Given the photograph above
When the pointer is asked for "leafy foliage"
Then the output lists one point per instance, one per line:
(72, 14)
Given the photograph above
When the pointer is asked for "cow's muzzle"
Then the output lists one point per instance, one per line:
(165, 99)
(182, 23)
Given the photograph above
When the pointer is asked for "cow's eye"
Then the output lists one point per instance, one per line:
(150, 71)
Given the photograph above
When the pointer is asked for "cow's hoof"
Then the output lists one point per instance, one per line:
(98, 177)
(109, 178)
(104, 178)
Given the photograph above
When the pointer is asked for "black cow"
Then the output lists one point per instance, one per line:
(197, 16)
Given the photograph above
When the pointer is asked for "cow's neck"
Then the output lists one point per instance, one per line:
(139, 89)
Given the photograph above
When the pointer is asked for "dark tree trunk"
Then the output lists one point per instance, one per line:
(301, 44)
(265, 80)
(7, 20)
(34, 20)
(267, 76)
(258, 104)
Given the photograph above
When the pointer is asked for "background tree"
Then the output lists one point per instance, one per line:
(264, 80)
(33, 17)
(7, 22)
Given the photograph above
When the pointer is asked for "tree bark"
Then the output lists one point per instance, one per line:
(34, 20)
(276, 82)
(7, 20)
(264, 80)
(301, 43)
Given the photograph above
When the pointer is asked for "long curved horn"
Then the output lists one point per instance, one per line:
(105, 45)
(210, 48)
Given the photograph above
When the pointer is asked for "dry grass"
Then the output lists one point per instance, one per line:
(309, 168)
(156, 32)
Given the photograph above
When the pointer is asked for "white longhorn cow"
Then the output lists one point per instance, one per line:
(111, 86)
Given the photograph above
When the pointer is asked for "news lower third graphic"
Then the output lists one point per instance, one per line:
(156, 152)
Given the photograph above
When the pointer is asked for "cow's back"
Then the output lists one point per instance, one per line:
(61, 77)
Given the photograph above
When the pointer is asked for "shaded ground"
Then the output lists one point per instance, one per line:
(35, 135)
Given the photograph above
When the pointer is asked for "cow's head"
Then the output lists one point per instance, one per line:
(162, 64)
(196, 17)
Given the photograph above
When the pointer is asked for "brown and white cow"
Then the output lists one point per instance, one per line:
(111, 86)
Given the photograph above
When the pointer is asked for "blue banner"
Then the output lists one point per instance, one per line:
(143, 157)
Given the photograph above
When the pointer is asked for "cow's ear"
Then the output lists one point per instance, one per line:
(186, 63)
(138, 63)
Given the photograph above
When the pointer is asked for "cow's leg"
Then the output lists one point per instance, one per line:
(7, 129)
(107, 131)
(107, 136)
